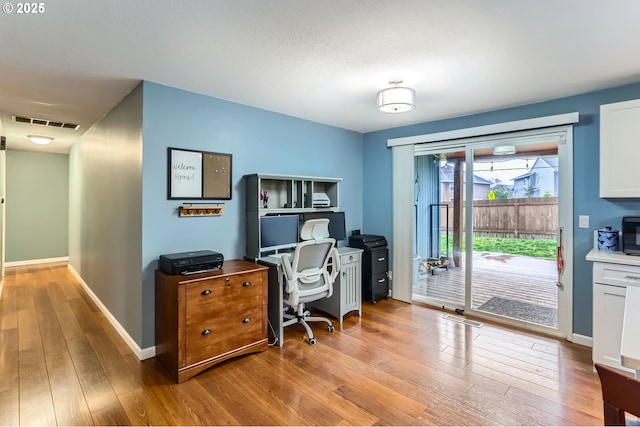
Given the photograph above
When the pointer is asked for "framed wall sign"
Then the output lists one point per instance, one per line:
(198, 175)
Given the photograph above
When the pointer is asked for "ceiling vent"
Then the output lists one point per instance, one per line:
(43, 122)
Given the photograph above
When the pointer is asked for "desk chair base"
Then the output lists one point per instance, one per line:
(303, 316)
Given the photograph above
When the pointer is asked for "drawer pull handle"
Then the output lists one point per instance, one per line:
(246, 320)
(206, 332)
(206, 292)
(632, 277)
(246, 284)
(381, 280)
(381, 259)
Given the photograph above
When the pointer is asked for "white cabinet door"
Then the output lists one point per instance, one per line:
(350, 280)
(619, 149)
(608, 314)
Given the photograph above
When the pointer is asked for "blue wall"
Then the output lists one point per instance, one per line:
(260, 141)
(378, 180)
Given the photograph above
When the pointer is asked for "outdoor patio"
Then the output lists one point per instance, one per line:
(524, 287)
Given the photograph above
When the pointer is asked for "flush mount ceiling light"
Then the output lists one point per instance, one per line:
(41, 140)
(396, 99)
(504, 150)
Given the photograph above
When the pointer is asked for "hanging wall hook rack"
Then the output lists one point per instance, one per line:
(200, 209)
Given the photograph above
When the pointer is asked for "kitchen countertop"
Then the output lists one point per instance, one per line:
(613, 257)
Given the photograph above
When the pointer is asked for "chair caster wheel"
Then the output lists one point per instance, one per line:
(312, 341)
(330, 328)
(373, 301)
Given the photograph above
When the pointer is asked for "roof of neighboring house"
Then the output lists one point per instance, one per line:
(501, 186)
(541, 162)
(524, 176)
(551, 161)
(446, 175)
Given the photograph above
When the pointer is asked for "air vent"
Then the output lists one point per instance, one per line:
(463, 320)
(43, 122)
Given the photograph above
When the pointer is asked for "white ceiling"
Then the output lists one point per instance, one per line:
(319, 60)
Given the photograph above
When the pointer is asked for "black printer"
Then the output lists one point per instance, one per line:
(375, 265)
(367, 242)
(195, 262)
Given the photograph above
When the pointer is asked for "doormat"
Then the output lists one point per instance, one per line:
(541, 315)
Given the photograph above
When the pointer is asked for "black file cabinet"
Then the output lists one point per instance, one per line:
(375, 265)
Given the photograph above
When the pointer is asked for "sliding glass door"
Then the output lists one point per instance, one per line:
(490, 218)
(439, 261)
(514, 229)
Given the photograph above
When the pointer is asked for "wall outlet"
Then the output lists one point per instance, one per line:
(583, 221)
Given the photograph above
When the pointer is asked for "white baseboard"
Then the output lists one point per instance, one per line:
(141, 353)
(36, 261)
(582, 340)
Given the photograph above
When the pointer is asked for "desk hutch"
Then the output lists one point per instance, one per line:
(290, 194)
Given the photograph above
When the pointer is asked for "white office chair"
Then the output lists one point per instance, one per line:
(307, 276)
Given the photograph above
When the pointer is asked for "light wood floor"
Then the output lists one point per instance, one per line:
(61, 363)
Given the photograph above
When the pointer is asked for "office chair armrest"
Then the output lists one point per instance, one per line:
(288, 272)
(335, 264)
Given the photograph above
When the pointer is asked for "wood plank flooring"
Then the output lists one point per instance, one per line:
(61, 363)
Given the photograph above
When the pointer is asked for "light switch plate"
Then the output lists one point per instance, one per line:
(583, 221)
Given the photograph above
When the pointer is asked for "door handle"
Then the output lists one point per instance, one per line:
(560, 254)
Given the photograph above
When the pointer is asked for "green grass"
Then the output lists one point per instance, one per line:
(539, 248)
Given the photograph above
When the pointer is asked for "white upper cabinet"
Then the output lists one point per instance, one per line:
(620, 149)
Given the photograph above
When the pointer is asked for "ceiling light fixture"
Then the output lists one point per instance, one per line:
(41, 140)
(396, 99)
(504, 150)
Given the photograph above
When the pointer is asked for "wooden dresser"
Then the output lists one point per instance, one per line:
(204, 319)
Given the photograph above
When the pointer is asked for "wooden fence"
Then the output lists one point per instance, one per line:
(526, 218)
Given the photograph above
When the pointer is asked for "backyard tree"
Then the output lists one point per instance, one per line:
(530, 191)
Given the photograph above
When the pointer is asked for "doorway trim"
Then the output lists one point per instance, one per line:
(403, 173)
(505, 127)
(3, 211)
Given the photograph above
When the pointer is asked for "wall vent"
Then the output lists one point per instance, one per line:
(43, 122)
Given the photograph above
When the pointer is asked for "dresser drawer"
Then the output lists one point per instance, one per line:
(228, 331)
(616, 274)
(211, 298)
(205, 319)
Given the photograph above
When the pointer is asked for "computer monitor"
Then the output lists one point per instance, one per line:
(278, 232)
(337, 228)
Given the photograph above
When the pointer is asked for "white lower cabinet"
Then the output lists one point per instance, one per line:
(608, 313)
(611, 278)
(347, 289)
